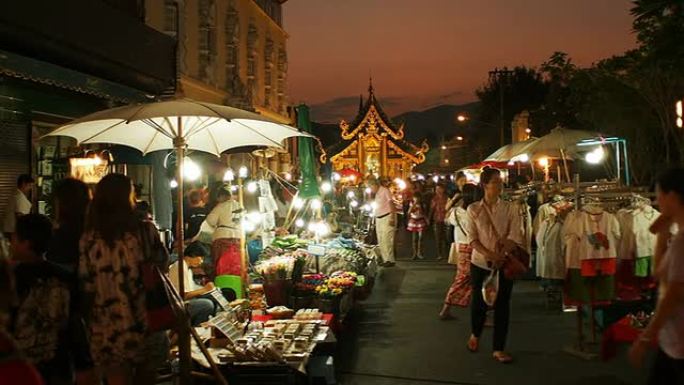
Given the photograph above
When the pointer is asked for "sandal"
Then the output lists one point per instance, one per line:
(446, 317)
(502, 357)
(473, 344)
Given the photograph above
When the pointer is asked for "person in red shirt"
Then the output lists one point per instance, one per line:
(438, 217)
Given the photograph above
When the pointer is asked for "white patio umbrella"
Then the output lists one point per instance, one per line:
(510, 151)
(560, 143)
(178, 125)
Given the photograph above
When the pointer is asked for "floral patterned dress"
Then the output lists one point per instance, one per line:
(111, 280)
(41, 318)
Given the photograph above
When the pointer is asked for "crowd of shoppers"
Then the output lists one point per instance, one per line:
(73, 308)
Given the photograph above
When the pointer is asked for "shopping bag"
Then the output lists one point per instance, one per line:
(490, 288)
(453, 254)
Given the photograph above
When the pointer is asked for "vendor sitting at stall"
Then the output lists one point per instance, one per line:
(201, 305)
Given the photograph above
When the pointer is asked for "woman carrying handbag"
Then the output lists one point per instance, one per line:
(494, 228)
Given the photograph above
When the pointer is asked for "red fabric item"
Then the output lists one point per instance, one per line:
(226, 253)
(629, 286)
(620, 332)
(461, 290)
(19, 372)
(594, 267)
(15, 371)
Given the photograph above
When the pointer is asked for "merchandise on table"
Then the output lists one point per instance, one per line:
(308, 315)
(280, 312)
(275, 341)
(257, 300)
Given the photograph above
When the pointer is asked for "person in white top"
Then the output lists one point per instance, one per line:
(200, 305)
(19, 204)
(385, 220)
(225, 247)
(460, 291)
(494, 227)
(667, 324)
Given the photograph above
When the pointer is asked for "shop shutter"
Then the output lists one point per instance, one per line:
(14, 158)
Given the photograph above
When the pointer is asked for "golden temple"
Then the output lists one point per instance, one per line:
(373, 145)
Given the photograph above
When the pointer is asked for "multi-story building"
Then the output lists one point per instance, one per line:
(230, 52)
(60, 61)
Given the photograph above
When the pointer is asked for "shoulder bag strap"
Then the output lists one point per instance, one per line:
(485, 208)
(491, 222)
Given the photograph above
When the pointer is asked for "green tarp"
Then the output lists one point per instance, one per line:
(308, 188)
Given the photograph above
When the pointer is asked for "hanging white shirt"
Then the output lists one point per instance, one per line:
(550, 258)
(600, 233)
(644, 239)
(626, 248)
(572, 239)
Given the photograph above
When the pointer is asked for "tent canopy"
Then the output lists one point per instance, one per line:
(486, 163)
(509, 151)
(559, 143)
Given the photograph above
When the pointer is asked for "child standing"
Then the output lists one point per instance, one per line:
(416, 224)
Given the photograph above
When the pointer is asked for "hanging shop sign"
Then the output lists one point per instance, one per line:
(89, 170)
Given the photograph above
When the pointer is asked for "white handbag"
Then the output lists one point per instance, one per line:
(453, 254)
(490, 288)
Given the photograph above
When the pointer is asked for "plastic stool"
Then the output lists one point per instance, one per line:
(232, 282)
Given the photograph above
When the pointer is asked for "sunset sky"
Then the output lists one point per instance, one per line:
(423, 53)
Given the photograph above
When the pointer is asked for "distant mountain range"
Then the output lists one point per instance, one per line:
(434, 124)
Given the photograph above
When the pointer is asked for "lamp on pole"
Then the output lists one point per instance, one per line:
(462, 118)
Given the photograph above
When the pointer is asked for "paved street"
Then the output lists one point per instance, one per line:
(395, 337)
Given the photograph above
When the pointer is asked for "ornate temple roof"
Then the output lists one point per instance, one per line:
(372, 120)
(371, 105)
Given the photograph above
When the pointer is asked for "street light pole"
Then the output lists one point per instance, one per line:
(500, 77)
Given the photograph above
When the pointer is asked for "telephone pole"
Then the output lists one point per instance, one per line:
(501, 78)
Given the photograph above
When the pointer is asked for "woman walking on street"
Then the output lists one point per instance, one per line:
(437, 217)
(493, 227)
(667, 325)
(416, 225)
(460, 291)
(112, 252)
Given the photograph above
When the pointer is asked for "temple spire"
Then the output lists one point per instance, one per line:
(370, 86)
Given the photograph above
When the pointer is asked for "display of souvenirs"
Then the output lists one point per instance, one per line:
(280, 267)
(309, 283)
(337, 284)
(280, 341)
(640, 320)
(308, 314)
(280, 312)
(257, 300)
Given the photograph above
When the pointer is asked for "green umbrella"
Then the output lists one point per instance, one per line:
(308, 187)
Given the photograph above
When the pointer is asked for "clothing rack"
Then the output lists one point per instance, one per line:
(610, 196)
